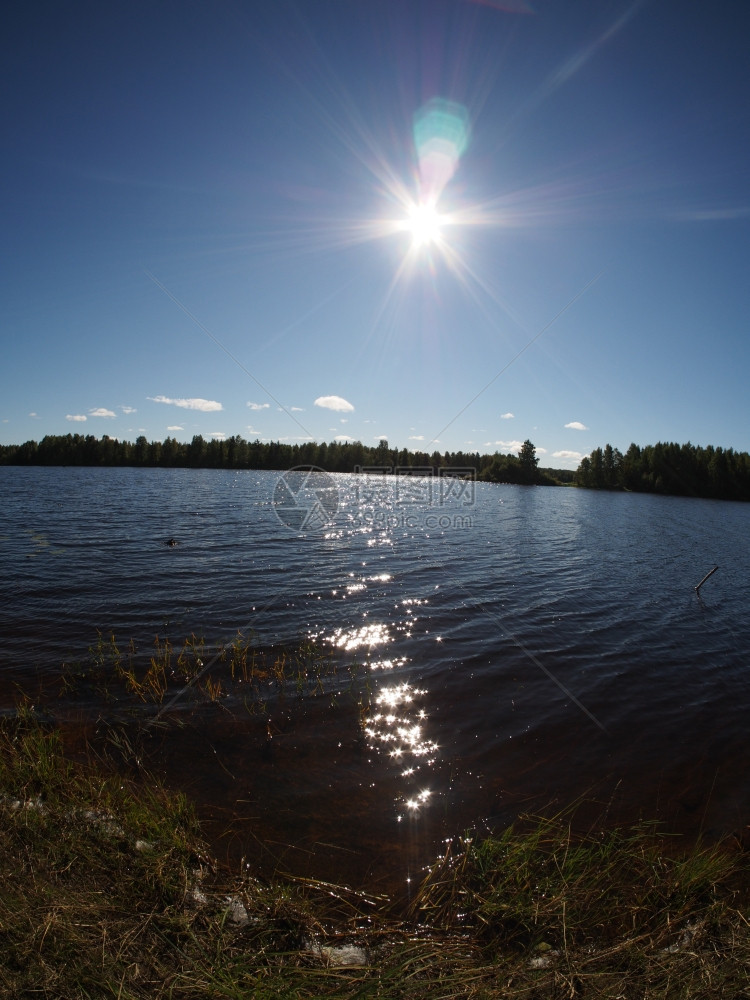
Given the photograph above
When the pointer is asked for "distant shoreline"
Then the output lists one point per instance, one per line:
(667, 469)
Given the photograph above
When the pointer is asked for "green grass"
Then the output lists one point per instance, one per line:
(197, 670)
(107, 889)
(616, 913)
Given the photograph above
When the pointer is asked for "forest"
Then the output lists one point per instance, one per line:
(236, 453)
(675, 469)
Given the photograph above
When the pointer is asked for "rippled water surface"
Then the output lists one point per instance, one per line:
(521, 647)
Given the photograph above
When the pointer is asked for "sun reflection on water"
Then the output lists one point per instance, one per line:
(376, 634)
(389, 664)
(393, 722)
(396, 728)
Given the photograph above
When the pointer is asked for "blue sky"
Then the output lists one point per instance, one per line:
(206, 223)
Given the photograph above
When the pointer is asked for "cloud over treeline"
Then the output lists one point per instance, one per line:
(195, 403)
(334, 403)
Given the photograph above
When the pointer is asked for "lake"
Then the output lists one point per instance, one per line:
(520, 647)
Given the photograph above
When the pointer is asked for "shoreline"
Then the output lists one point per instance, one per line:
(236, 727)
(107, 885)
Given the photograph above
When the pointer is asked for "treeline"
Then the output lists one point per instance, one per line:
(683, 470)
(676, 469)
(236, 453)
(522, 469)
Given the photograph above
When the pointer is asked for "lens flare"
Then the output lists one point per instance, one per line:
(441, 135)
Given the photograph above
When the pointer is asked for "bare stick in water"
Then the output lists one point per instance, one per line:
(710, 573)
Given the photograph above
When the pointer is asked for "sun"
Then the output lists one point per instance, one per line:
(424, 222)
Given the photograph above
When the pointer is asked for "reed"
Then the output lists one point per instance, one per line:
(197, 670)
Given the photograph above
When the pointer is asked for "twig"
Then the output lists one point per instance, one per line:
(710, 573)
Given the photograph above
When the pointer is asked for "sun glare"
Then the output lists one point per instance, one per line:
(424, 224)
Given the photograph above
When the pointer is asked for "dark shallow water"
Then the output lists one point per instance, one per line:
(523, 647)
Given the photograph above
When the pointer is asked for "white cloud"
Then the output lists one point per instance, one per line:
(507, 416)
(343, 437)
(570, 455)
(218, 435)
(101, 412)
(296, 409)
(334, 403)
(259, 406)
(509, 445)
(381, 437)
(251, 430)
(32, 414)
(416, 437)
(540, 451)
(175, 427)
(205, 405)
(128, 409)
(77, 418)
(576, 425)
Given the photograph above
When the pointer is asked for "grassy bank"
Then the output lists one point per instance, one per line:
(107, 889)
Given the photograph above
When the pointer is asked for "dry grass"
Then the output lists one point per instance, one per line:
(611, 913)
(106, 890)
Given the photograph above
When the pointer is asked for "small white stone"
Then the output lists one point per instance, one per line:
(198, 897)
(686, 938)
(544, 961)
(237, 912)
(344, 954)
